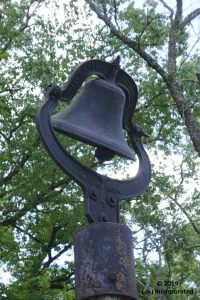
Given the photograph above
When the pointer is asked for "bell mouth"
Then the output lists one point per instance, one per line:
(88, 138)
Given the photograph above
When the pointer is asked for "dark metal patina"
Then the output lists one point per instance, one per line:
(95, 117)
(103, 249)
(101, 193)
(104, 261)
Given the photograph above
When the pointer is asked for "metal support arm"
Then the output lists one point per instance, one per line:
(101, 193)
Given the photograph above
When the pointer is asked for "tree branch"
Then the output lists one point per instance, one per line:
(170, 79)
(131, 43)
(26, 232)
(190, 17)
(19, 123)
(185, 112)
(175, 197)
(196, 229)
(52, 259)
(19, 166)
(29, 15)
(115, 15)
(11, 91)
(51, 242)
(39, 199)
(168, 7)
(172, 49)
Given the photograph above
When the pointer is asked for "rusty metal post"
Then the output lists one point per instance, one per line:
(104, 263)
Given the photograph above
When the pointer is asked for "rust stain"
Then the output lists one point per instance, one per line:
(121, 281)
(91, 281)
(123, 253)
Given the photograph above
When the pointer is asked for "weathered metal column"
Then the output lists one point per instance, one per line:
(104, 263)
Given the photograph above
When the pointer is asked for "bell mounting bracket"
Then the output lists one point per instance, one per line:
(102, 194)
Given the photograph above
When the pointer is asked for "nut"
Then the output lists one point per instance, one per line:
(94, 195)
(111, 200)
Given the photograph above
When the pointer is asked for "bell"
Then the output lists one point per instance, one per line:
(95, 118)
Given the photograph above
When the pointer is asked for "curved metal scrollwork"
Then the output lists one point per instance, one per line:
(101, 193)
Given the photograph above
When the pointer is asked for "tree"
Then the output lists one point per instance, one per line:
(40, 206)
(148, 33)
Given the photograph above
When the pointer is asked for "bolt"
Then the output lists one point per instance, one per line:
(111, 200)
(94, 194)
(113, 276)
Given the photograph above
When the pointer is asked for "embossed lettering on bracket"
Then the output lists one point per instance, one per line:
(112, 189)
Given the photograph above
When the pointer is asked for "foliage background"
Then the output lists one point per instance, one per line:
(40, 208)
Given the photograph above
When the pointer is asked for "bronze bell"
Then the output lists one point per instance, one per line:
(95, 117)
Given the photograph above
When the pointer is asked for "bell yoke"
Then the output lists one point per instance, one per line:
(104, 263)
(98, 115)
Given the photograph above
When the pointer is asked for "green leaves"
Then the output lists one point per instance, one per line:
(39, 211)
(40, 206)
